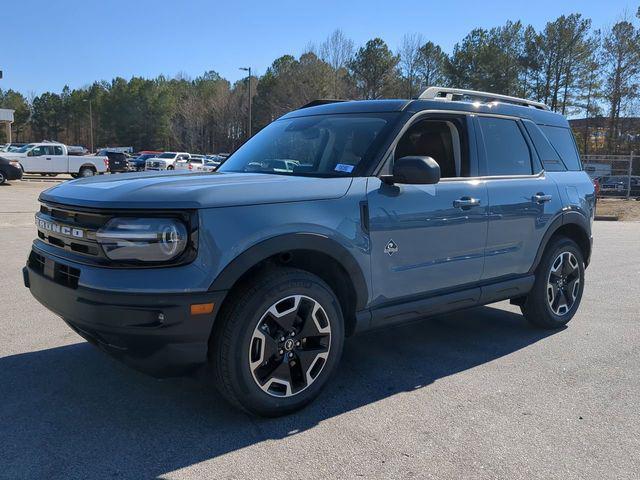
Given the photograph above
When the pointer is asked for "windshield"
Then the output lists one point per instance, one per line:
(26, 148)
(323, 145)
(167, 155)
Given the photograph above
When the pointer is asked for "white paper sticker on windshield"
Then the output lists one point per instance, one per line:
(343, 167)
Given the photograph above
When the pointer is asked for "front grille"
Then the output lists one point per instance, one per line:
(61, 274)
(69, 229)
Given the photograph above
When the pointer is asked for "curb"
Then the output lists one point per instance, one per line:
(606, 218)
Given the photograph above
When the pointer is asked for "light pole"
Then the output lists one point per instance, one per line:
(90, 122)
(248, 69)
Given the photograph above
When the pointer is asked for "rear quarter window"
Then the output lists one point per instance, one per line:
(562, 140)
(547, 154)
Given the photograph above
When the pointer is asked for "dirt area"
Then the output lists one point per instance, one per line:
(628, 210)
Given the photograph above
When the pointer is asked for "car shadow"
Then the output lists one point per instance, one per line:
(72, 411)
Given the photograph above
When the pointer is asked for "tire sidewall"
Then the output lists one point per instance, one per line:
(250, 395)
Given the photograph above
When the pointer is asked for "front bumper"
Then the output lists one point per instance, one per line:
(13, 173)
(153, 333)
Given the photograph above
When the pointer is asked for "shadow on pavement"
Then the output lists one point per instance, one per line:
(73, 412)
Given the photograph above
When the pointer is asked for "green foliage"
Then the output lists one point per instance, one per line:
(374, 69)
(572, 68)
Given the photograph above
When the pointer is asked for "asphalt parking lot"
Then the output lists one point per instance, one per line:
(477, 394)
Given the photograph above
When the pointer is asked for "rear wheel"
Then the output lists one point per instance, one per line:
(558, 286)
(86, 172)
(170, 167)
(278, 342)
(2, 178)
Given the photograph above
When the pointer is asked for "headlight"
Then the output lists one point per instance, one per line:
(14, 163)
(143, 239)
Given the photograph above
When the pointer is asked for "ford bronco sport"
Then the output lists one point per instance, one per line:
(337, 218)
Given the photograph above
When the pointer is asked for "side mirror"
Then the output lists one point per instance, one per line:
(414, 170)
(30, 153)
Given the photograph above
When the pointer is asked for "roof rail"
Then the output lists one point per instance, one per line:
(320, 101)
(445, 93)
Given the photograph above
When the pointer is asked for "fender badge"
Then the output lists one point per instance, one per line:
(391, 248)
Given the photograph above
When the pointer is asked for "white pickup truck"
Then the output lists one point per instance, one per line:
(166, 160)
(53, 158)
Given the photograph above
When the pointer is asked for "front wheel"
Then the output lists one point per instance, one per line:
(558, 287)
(278, 342)
(2, 178)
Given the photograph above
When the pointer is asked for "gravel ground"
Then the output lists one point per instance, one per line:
(628, 210)
(477, 394)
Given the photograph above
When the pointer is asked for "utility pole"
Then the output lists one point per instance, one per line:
(90, 123)
(248, 69)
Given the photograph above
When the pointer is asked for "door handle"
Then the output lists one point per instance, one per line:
(541, 198)
(466, 202)
(48, 158)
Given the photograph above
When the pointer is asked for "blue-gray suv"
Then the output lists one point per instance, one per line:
(337, 218)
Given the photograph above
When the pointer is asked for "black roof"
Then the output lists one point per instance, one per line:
(543, 117)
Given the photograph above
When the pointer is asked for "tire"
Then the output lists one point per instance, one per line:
(52, 174)
(170, 167)
(74, 175)
(86, 172)
(265, 359)
(3, 179)
(548, 305)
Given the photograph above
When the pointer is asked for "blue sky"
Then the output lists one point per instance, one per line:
(50, 43)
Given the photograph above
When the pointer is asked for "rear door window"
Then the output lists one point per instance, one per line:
(507, 152)
(57, 150)
(562, 140)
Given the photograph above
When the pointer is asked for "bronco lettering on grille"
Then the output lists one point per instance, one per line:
(60, 229)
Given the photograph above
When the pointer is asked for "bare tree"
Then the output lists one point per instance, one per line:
(621, 54)
(337, 50)
(409, 59)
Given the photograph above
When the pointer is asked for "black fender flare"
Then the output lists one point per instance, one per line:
(288, 242)
(564, 218)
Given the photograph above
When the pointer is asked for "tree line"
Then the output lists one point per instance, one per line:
(575, 68)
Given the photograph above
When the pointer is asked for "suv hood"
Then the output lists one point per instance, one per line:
(192, 190)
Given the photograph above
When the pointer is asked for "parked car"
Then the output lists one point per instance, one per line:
(618, 185)
(53, 158)
(138, 162)
(11, 147)
(210, 165)
(194, 164)
(9, 170)
(216, 160)
(385, 211)
(166, 161)
(118, 162)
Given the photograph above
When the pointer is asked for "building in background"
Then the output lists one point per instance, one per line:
(6, 119)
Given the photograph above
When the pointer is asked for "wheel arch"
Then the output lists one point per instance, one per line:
(573, 225)
(87, 165)
(317, 254)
